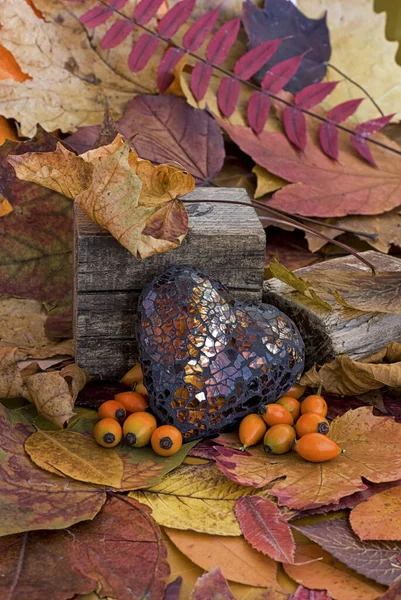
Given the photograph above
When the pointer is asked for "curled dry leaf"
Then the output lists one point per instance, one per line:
(372, 449)
(134, 200)
(376, 560)
(79, 76)
(201, 495)
(237, 560)
(120, 555)
(212, 585)
(346, 377)
(379, 518)
(32, 498)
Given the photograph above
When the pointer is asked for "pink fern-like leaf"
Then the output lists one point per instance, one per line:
(254, 59)
(295, 126)
(175, 18)
(200, 30)
(280, 74)
(222, 42)
(258, 111)
(142, 52)
(227, 95)
(116, 34)
(165, 72)
(96, 16)
(342, 111)
(146, 10)
(314, 94)
(328, 137)
(200, 79)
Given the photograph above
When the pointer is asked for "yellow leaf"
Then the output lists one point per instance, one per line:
(75, 456)
(70, 75)
(196, 497)
(267, 182)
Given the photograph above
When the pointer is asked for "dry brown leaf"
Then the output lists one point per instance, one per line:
(344, 376)
(70, 75)
(22, 323)
(11, 381)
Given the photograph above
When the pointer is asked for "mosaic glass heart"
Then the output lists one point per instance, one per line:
(208, 359)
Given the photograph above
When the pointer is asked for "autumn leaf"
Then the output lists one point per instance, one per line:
(165, 129)
(370, 450)
(379, 518)
(32, 498)
(376, 560)
(75, 456)
(237, 560)
(282, 19)
(265, 528)
(346, 377)
(266, 182)
(202, 496)
(327, 573)
(323, 187)
(80, 75)
(213, 586)
(120, 555)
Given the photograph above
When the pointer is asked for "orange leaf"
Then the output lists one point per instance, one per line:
(5, 206)
(9, 68)
(379, 518)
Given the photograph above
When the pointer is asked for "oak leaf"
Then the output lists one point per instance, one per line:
(372, 449)
(379, 517)
(32, 498)
(120, 554)
(63, 62)
(376, 560)
(237, 560)
(329, 574)
(321, 186)
(203, 497)
(346, 377)
(212, 585)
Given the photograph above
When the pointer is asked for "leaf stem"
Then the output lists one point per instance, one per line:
(358, 85)
(247, 83)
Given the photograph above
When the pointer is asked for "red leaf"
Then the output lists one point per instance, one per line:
(212, 586)
(175, 18)
(373, 126)
(116, 34)
(198, 32)
(265, 528)
(328, 136)
(142, 52)
(222, 41)
(303, 593)
(258, 111)
(314, 94)
(165, 72)
(200, 78)
(344, 110)
(280, 74)
(252, 61)
(362, 147)
(145, 10)
(295, 126)
(227, 95)
(118, 4)
(96, 16)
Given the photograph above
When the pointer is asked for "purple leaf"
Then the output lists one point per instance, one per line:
(254, 59)
(258, 111)
(200, 79)
(373, 126)
(175, 18)
(227, 95)
(199, 31)
(281, 19)
(165, 72)
(295, 126)
(277, 77)
(142, 52)
(314, 94)
(328, 137)
(116, 34)
(146, 10)
(118, 4)
(344, 110)
(362, 147)
(212, 586)
(173, 589)
(303, 593)
(96, 16)
(222, 41)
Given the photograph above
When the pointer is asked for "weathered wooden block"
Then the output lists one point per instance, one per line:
(226, 241)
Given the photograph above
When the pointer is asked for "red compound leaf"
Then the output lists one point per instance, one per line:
(145, 10)
(222, 41)
(344, 110)
(251, 62)
(165, 72)
(314, 94)
(96, 16)
(362, 147)
(280, 74)
(175, 18)
(142, 52)
(200, 79)
(373, 126)
(227, 95)
(116, 34)
(258, 111)
(295, 126)
(199, 31)
(328, 137)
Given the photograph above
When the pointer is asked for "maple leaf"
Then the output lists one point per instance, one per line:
(166, 129)
(32, 498)
(212, 585)
(63, 62)
(120, 554)
(379, 517)
(136, 201)
(376, 560)
(282, 19)
(370, 450)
